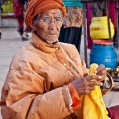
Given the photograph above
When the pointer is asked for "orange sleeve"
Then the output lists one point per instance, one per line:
(75, 97)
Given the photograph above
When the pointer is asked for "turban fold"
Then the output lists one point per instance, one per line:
(38, 6)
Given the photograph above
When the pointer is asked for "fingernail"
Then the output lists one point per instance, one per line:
(100, 77)
(95, 71)
(101, 84)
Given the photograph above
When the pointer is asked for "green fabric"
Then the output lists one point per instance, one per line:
(72, 4)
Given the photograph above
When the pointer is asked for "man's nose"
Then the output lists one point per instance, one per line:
(52, 24)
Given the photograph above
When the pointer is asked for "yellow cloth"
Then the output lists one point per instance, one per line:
(92, 105)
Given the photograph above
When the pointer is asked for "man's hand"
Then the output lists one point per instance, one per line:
(101, 71)
(85, 85)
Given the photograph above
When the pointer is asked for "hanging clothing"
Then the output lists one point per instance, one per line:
(18, 8)
(71, 30)
(74, 17)
(71, 35)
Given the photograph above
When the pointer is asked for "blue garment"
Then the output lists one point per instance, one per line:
(72, 4)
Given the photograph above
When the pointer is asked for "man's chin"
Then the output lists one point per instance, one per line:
(51, 40)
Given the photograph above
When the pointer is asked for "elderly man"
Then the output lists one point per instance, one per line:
(46, 77)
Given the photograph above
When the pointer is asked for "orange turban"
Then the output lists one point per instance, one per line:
(38, 6)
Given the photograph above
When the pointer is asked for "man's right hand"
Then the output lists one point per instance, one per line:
(85, 85)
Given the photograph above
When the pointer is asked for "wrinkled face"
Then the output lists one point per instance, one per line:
(48, 24)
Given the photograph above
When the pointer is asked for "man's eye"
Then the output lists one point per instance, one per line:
(58, 18)
(46, 19)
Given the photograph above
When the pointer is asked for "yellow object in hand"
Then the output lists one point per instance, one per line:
(92, 106)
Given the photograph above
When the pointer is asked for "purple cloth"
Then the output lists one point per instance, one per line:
(89, 17)
(114, 112)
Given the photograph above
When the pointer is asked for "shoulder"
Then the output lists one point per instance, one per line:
(70, 49)
(68, 46)
(22, 52)
(25, 59)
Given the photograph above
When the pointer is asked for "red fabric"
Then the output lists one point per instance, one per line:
(18, 8)
(75, 97)
(114, 112)
(20, 22)
(38, 6)
(89, 17)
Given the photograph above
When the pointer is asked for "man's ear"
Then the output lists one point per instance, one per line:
(33, 25)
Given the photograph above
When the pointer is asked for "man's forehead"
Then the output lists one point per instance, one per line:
(52, 11)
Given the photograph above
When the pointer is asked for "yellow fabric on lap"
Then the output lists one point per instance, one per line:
(92, 106)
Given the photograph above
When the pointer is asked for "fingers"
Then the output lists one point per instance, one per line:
(85, 89)
(101, 70)
(89, 88)
(94, 83)
(90, 80)
(87, 84)
(86, 92)
(100, 67)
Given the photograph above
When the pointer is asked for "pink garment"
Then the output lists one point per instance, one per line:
(112, 14)
(20, 22)
(18, 8)
(89, 17)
